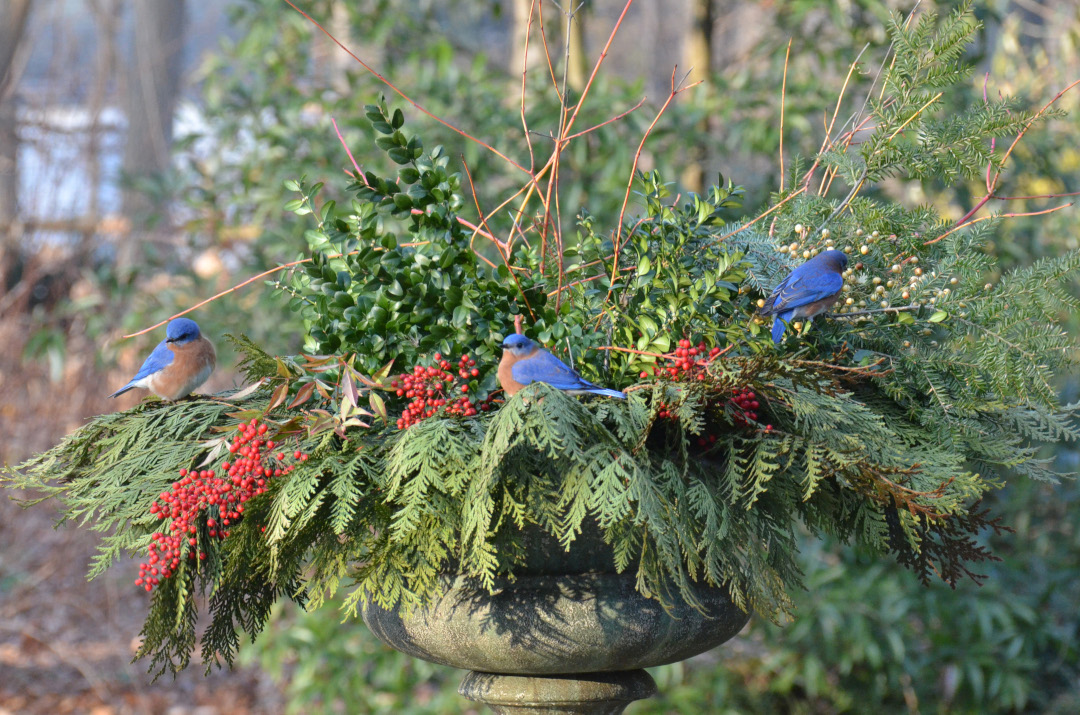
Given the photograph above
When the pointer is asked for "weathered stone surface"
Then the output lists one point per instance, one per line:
(567, 612)
(592, 694)
(543, 625)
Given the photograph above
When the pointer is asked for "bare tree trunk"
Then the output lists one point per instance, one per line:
(330, 61)
(106, 14)
(13, 16)
(697, 47)
(153, 83)
(518, 12)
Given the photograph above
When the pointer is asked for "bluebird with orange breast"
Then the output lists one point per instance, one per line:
(809, 290)
(524, 362)
(179, 364)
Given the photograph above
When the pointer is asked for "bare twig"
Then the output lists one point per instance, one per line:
(857, 313)
(763, 215)
(783, 95)
(498, 244)
(404, 96)
(359, 172)
(675, 90)
(972, 222)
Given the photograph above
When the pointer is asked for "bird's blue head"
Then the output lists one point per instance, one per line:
(517, 344)
(836, 260)
(182, 331)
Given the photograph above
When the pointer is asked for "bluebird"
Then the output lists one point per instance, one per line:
(809, 290)
(180, 363)
(523, 362)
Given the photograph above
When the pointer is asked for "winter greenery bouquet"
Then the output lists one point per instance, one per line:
(384, 455)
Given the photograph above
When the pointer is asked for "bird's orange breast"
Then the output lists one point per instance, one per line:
(191, 366)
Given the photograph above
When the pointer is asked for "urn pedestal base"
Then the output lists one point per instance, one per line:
(587, 694)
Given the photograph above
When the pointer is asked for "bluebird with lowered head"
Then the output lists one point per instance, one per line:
(179, 364)
(809, 290)
(524, 362)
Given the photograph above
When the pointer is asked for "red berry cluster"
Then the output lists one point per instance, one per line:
(430, 388)
(219, 493)
(689, 362)
(747, 405)
(704, 441)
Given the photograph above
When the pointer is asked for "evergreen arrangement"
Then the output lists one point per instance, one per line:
(384, 456)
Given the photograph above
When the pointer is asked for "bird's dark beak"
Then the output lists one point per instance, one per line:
(169, 340)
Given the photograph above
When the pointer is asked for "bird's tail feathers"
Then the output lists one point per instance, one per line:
(777, 329)
(122, 390)
(607, 392)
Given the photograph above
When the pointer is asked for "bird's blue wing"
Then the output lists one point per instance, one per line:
(803, 288)
(161, 358)
(545, 367)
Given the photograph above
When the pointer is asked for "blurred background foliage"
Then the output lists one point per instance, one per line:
(255, 110)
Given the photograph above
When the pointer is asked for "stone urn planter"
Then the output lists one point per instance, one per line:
(568, 635)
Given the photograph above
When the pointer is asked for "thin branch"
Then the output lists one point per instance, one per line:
(910, 119)
(524, 73)
(404, 96)
(991, 184)
(827, 141)
(359, 172)
(633, 352)
(1041, 196)
(637, 157)
(498, 245)
(547, 51)
(857, 313)
(783, 95)
(586, 280)
(224, 293)
(596, 67)
(616, 118)
(959, 226)
(761, 216)
(847, 199)
(866, 370)
(1027, 126)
